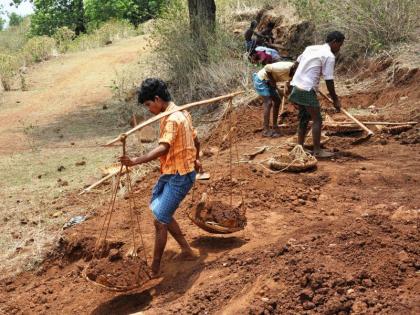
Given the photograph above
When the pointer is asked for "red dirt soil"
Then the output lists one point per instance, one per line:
(116, 271)
(343, 239)
(224, 214)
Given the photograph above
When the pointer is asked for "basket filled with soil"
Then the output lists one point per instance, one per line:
(296, 160)
(218, 217)
(117, 271)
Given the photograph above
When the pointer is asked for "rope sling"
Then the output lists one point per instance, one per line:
(142, 277)
(229, 125)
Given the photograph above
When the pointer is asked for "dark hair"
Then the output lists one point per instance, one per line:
(271, 24)
(152, 87)
(254, 23)
(335, 36)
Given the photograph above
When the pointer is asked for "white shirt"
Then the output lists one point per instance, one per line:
(314, 61)
(278, 70)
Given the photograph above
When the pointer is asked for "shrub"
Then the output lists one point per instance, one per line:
(14, 38)
(369, 25)
(9, 66)
(63, 37)
(38, 48)
(190, 77)
(110, 31)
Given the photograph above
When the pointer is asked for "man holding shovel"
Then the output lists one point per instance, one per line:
(315, 61)
(178, 151)
(265, 84)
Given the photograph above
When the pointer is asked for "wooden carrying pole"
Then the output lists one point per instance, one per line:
(370, 132)
(150, 121)
(88, 189)
(164, 114)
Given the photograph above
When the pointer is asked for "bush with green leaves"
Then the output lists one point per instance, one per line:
(369, 25)
(134, 11)
(38, 48)
(9, 67)
(50, 15)
(15, 19)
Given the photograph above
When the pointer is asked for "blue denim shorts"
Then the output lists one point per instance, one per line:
(168, 193)
(261, 86)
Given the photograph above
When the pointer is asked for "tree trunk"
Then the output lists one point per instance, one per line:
(202, 22)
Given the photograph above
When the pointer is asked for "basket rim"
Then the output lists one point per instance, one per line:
(295, 166)
(213, 227)
(148, 284)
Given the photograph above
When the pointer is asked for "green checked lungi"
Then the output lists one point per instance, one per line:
(304, 99)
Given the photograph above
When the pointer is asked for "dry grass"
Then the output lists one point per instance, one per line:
(109, 32)
(37, 198)
(17, 50)
(191, 75)
(369, 26)
(9, 66)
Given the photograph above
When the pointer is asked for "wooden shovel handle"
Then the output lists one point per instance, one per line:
(370, 132)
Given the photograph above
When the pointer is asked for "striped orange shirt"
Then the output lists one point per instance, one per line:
(177, 130)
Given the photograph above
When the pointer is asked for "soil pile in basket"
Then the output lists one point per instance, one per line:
(117, 271)
(223, 214)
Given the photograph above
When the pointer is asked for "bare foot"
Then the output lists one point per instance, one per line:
(155, 269)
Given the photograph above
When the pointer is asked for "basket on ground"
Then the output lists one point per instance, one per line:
(296, 161)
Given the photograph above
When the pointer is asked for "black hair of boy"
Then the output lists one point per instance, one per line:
(152, 87)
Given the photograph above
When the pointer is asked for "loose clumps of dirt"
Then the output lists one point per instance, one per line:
(117, 271)
(224, 214)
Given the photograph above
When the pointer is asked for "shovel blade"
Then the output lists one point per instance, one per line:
(362, 139)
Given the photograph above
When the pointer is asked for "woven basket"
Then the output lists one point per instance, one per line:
(287, 164)
(213, 227)
(395, 130)
(140, 287)
(296, 160)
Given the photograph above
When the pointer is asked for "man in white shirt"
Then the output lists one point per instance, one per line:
(315, 61)
(265, 85)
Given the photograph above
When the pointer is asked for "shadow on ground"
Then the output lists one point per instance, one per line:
(124, 304)
(212, 244)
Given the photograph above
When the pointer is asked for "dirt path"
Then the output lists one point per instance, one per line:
(342, 239)
(63, 85)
